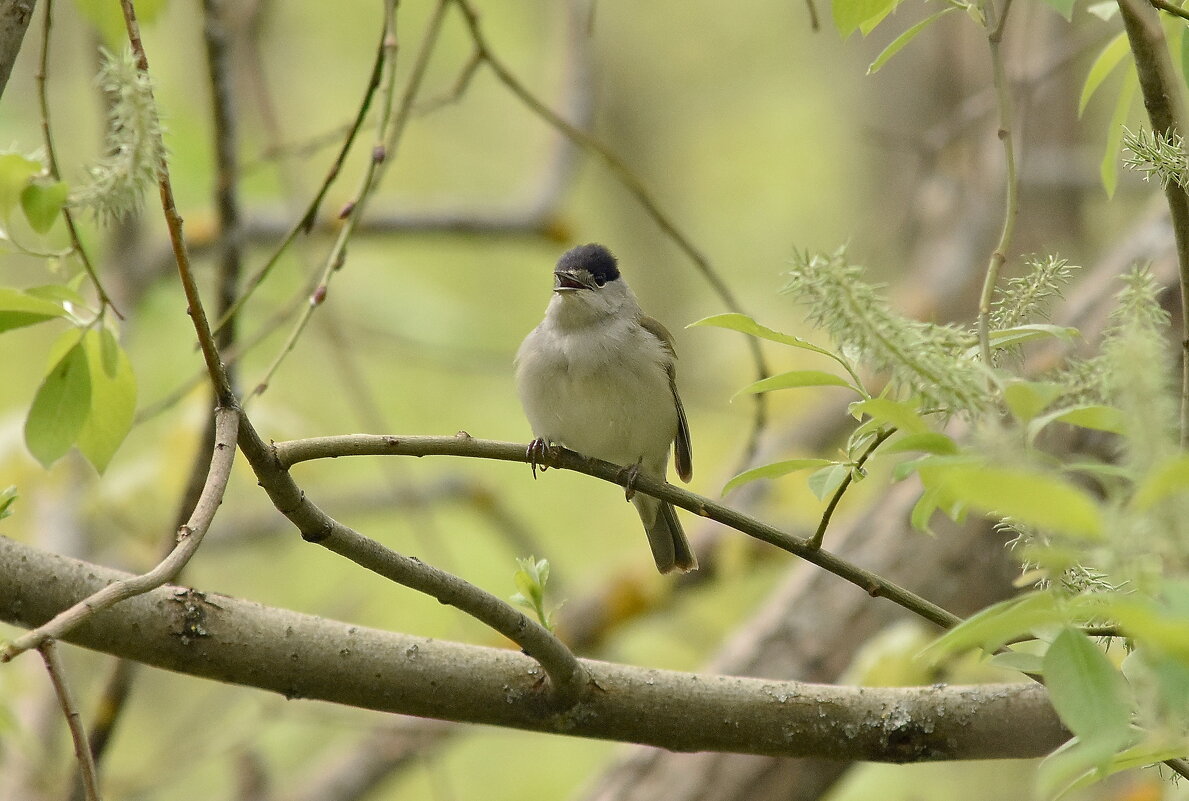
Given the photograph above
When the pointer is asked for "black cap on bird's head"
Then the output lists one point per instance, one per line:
(585, 267)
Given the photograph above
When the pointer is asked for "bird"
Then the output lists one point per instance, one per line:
(598, 376)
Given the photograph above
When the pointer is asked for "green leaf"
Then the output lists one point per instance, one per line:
(1031, 497)
(850, 14)
(42, 203)
(1092, 416)
(1168, 478)
(1019, 660)
(794, 379)
(924, 442)
(60, 407)
(1016, 335)
(1103, 65)
(1109, 169)
(113, 398)
(1000, 623)
(773, 470)
(901, 414)
(15, 173)
(923, 509)
(1026, 399)
(1089, 693)
(900, 41)
(19, 309)
(8, 496)
(826, 480)
(746, 325)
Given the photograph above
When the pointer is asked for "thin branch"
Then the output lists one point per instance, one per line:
(303, 656)
(82, 751)
(206, 341)
(1171, 8)
(1163, 100)
(307, 220)
(76, 244)
(390, 129)
(1012, 179)
(290, 453)
(568, 679)
(816, 540)
(188, 539)
(635, 187)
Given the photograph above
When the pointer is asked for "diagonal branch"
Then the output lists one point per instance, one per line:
(302, 656)
(189, 537)
(288, 454)
(569, 680)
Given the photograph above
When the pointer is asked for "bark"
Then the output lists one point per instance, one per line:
(301, 656)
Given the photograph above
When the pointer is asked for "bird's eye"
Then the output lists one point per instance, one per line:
(600, 280)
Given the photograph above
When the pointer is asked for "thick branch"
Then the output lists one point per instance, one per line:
(301, 656)
(290, 453)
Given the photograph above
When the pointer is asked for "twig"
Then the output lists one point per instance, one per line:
(816, 540)
(76, 244)
(82, 751)
(290, 453)
(189, 538)
(1171, 8)
(568, 678)
(1012, 194)
(390, 129)
(206, 341)
(113, 699)
(814, 25)
(636, 188)
(307, 220)
(1162, 90)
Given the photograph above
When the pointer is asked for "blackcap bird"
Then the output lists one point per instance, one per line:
(598, 377)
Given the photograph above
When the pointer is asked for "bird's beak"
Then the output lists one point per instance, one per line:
(567, 281)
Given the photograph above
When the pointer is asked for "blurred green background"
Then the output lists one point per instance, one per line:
(756, 136)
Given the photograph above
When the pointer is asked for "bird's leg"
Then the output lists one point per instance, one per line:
(627, 476)
(538, 451)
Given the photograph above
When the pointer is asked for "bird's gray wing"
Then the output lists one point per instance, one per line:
(683, 454)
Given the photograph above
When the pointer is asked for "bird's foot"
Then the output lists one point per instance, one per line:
(627, 476)
(538, 452)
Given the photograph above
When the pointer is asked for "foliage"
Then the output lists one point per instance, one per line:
(532, 579)
(1105, 539)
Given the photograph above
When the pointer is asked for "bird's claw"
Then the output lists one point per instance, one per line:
(538, 451)
(627, 476)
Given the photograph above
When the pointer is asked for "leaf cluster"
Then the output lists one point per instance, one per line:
(1105, 541)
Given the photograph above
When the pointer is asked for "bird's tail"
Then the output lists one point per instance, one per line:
(670, 548)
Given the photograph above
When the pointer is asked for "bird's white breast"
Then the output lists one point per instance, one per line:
(601, 390)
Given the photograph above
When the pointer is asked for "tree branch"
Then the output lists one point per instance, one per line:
(1162, 98)
(189, 537)
(288, 454)
(566, 674)
(14, 21)
(301, 656)
(78, 734)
